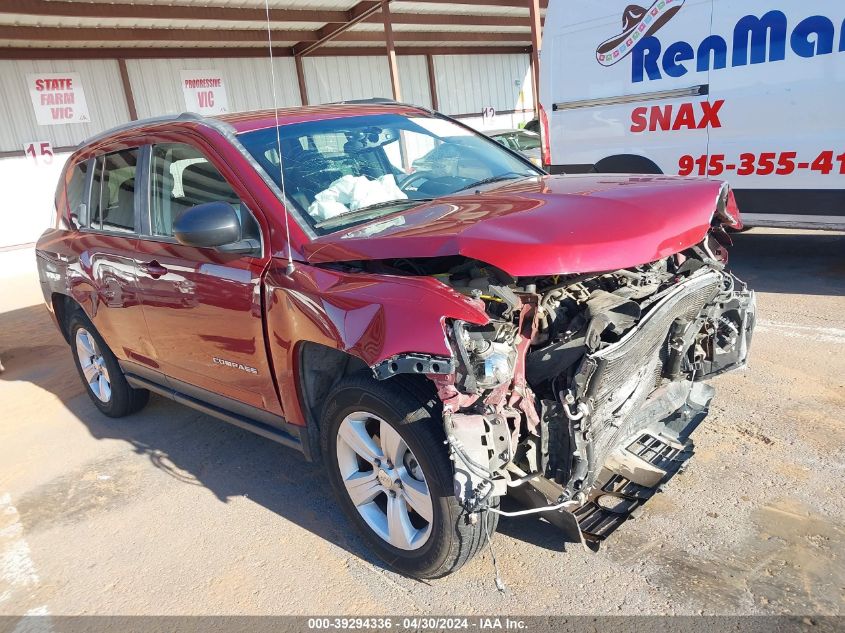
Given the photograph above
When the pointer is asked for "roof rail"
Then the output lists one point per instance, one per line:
(383, 101)
(371, 100)
(189, 117)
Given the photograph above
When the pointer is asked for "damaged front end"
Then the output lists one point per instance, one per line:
(579, 396)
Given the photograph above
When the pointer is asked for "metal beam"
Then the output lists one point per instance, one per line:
(536, 47)
(85, 34)
(432, 82)
(457, 19)
(517, 4)
(243, 52)
(440, 37)
(391, 51)
(164, 11)
(356, 14)
(300, 78)
(91, 35)
(127, 89)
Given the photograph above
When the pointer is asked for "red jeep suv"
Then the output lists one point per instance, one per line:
(436, 320)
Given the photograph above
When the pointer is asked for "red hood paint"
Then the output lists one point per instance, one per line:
(541, 226)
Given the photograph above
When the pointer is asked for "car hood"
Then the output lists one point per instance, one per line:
(541, 226)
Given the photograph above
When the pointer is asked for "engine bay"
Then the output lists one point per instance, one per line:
(578, 397)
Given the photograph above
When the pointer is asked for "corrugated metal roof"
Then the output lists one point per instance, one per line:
(17, 19)
(135, 44)
(145, 17)
(458, 9)
(430, 28)
(274, 4)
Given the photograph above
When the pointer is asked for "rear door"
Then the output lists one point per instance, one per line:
(203, 307)
(622, 80)
(109, 223)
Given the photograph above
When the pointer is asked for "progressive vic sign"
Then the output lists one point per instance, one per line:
(755, 40)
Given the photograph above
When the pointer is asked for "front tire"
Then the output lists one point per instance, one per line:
(100, 372)
(384, 452)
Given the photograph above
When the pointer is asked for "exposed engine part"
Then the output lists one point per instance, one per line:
(479, 446)
(577, 398)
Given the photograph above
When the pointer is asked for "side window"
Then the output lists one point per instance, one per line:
(71, 193)
(183, 178)
(76, 191)
(113, 192)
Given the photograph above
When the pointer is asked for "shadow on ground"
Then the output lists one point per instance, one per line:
(197, 449)
(811, 263)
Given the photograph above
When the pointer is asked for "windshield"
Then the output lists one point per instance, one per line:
(346, 171)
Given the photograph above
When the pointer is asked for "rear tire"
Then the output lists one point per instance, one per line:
(100, 372)
(363, 423)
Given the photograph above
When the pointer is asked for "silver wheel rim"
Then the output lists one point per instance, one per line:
(384, 481)
(93, 365)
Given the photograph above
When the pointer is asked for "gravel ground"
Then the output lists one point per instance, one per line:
(173, 512)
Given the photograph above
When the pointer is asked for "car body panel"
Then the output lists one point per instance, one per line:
(206, 320)
(371, 317)
(541, 226)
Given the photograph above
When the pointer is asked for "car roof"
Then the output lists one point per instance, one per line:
(240, 122)
(262, 119)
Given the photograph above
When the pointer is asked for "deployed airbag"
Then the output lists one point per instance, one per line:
(351, 193)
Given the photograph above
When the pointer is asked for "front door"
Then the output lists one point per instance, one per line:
(202, 306)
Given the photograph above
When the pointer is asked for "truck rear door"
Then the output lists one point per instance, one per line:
(780, 137)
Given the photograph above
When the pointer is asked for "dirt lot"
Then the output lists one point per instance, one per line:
(172, 512)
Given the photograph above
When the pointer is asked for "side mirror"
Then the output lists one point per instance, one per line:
(211, 224)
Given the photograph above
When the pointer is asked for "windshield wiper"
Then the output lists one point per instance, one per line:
(345, 218)
(508, 175)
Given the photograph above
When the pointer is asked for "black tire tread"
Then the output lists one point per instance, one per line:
(410, 395)
(125, 399)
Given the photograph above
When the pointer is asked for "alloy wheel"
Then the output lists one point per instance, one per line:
(93, 365)
(384, 480)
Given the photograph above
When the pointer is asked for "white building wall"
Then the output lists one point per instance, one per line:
(29, 190)
(466, 84)
(413, 80)
(157, 89)
(332, 79)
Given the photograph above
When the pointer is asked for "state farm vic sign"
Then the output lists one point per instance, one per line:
(58, 98)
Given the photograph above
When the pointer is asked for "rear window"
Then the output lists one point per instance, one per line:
(113, 192)
(76, 190)
(70, 194)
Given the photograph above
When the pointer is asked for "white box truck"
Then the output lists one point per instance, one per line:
(749, 91)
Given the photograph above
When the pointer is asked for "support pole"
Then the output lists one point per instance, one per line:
(432, 82)
(127, 89)
(300, 78)
(391, 50)
(536, 45)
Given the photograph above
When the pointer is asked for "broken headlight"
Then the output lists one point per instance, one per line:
(486, 354)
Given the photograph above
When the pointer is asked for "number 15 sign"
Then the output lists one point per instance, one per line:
(40, 152)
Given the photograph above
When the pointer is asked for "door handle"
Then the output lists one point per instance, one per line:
(154, 269)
